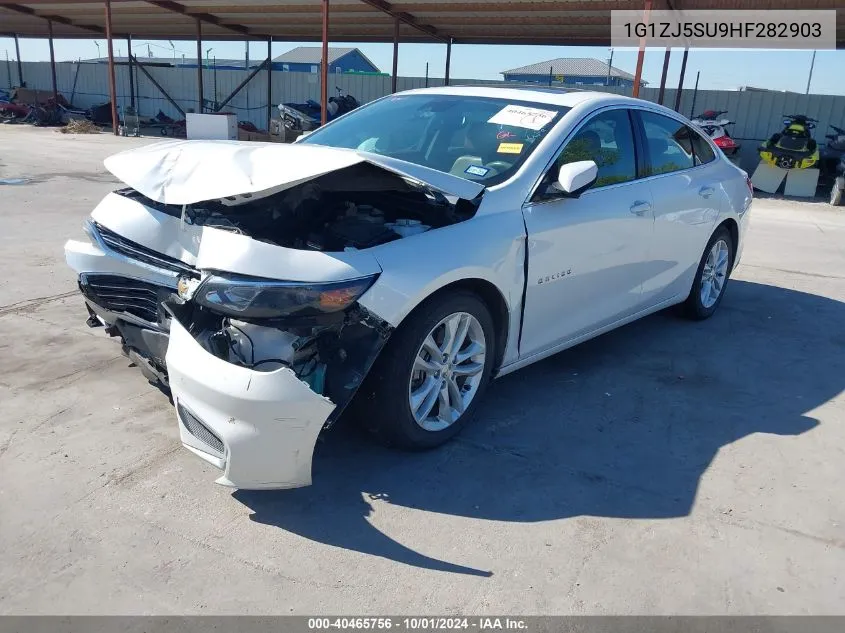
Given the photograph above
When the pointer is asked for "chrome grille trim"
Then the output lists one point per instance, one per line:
(124, 295)
(130, 249)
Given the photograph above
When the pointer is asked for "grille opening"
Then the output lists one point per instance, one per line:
(124, 295)
(199, 430)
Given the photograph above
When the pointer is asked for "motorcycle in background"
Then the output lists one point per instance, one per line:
(832, 162)
(714, 126)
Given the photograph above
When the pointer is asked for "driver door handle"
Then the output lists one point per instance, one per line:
(640, 207)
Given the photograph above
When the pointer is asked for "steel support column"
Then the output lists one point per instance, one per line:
(681, 81)
(201, 100)
(112, 86)
(448, 59)
(324, 67)
(395, 54)
(694, 94)
(20, 65)
(131, 71)
(52, 60)
(638, 74)
(269, 81)
(663, 76)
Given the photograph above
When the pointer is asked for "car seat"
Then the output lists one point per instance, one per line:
(480, 143)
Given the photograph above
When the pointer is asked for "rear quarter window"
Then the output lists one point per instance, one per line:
(668, 144)
(703, 152)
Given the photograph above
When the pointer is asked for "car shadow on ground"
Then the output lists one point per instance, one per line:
(622, 426)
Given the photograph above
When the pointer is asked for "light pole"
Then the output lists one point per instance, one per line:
(810, 78)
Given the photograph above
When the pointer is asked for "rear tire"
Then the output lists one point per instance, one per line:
(711, 278)
(384, 404)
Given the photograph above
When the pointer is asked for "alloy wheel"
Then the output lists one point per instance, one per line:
(447, 372)
(715, 273)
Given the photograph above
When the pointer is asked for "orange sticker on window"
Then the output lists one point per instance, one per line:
(510, 148)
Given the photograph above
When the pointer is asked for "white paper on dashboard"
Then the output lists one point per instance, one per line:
(521, 116)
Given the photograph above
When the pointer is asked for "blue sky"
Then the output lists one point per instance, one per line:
(779, 70)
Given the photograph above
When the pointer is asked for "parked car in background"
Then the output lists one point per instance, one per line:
(398, 259)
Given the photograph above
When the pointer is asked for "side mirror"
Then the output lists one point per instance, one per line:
(573, 179)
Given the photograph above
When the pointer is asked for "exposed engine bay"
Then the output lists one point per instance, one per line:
(353, 208)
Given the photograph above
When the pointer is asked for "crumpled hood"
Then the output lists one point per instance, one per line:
(185, 172)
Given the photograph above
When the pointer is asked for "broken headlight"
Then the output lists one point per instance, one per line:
(252, 298)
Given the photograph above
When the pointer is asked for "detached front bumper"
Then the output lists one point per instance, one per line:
(259, 427)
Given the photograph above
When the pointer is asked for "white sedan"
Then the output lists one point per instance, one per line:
(398, 259)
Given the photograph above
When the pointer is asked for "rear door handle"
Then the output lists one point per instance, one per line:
(706, 192)
(640, 207)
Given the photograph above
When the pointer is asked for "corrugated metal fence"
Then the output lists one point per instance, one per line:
(87, 84)
(757, 114)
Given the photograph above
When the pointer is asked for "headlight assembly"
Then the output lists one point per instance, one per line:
(252, 298)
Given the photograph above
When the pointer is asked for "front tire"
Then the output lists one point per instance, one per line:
(429, 380)
(712, 276)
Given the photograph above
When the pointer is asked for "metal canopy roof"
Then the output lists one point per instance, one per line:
(563, 22)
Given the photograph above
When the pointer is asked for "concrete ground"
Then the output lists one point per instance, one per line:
(668, 467)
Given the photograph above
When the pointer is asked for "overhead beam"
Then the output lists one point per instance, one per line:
(58, 19)
(413, 8)
(407, 18)
(175, 7)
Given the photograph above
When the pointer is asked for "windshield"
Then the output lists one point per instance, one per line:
(476, 138)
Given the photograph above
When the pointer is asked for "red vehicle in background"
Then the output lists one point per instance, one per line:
(713, 124)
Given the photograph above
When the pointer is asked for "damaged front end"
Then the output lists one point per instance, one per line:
(258, 368)
(233, 272)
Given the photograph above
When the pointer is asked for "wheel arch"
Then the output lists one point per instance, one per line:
(490, 295)
(733, 229)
